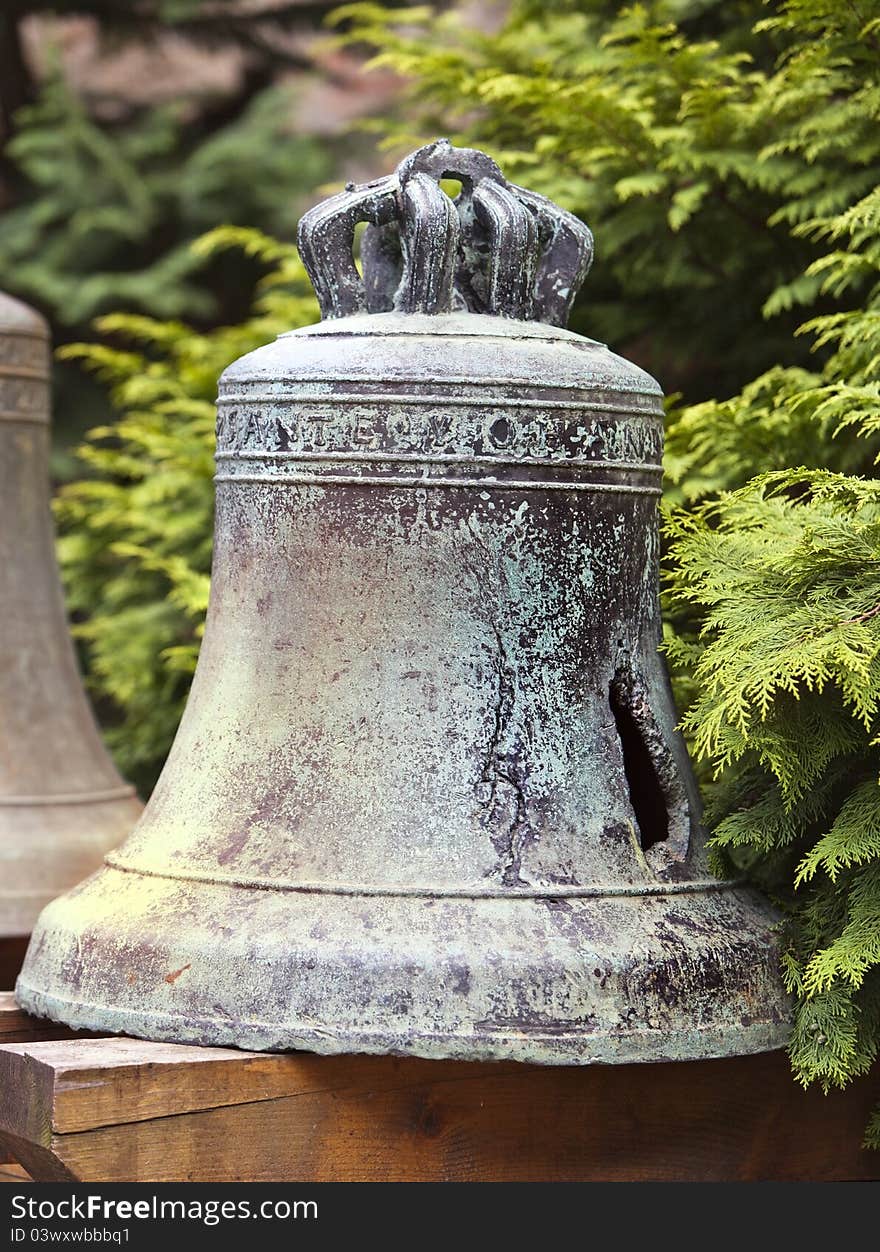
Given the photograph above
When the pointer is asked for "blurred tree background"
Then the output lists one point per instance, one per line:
(130, 127)
(727, 155)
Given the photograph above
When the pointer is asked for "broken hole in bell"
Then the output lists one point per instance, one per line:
(646, 793)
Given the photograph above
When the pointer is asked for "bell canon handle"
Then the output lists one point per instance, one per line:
(497, 248)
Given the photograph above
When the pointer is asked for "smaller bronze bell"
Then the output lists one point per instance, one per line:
(427, 795)
(62, 803)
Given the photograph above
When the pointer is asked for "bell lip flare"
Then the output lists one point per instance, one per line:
(522, 979)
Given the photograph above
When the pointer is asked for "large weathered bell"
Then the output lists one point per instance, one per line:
(427, 796)
(62, 803)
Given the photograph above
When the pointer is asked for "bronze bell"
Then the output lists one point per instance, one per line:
(62, 803)
(427, 795)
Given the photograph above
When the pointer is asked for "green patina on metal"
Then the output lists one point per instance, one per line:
(428, 796)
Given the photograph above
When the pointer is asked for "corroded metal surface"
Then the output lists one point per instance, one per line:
(427, 795)
(62, 803)
(499, 249)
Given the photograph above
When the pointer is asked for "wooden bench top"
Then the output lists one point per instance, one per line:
(119, 1109)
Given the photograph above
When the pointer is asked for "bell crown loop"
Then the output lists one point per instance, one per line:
(497, 248)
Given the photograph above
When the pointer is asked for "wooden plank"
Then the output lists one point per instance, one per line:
(309, 1118)
(17, 1026)
(84, 1084)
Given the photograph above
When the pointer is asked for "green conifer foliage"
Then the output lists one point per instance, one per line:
(780, 584)
(779, 575)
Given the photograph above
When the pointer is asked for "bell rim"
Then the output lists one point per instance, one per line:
(593, 981)
(698, 1042)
